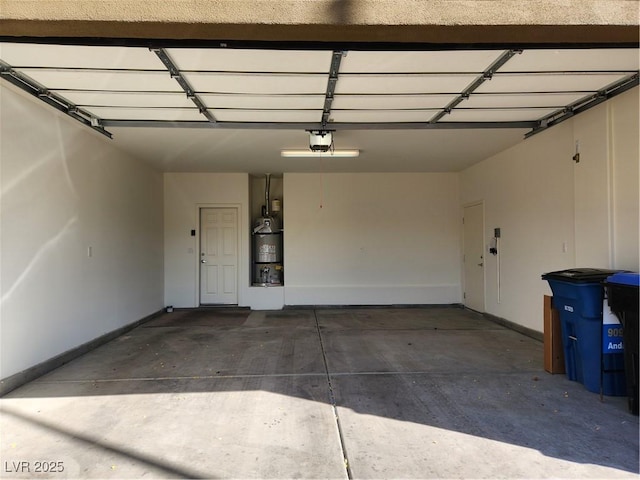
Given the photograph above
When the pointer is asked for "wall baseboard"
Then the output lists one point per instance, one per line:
(529, 332)
(372, 294)
(395, 305)
(18, 379)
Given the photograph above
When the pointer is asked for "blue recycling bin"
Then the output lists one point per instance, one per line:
(578, 295)
(624, 299)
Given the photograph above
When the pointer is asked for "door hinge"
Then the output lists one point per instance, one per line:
(463, 220)
(464, 295)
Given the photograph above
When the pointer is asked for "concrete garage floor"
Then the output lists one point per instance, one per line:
(328, 393)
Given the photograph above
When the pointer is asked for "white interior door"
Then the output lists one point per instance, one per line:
(474, 257)
(218, 256)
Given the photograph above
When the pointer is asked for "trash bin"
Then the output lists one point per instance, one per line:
(578, 296)
(622, 295)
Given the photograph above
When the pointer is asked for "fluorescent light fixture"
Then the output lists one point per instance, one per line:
(329, 154)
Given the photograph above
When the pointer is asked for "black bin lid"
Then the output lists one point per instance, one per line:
(580, 275)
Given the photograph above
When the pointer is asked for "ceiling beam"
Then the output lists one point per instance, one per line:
(318, 126)
(336, 58)
(486, 75)
(184, 84)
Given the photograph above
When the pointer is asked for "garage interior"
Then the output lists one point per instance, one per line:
(384, 335)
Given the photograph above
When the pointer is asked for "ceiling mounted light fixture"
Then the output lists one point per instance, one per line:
(320, 145)
(316, 154)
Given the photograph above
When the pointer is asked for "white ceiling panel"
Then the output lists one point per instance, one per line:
(76, 56)
(264, 101)
(510, 82)
(170, 114)
(388, 62)
(258, 84)
(382, 116)
(251, 60)
(391, 102)
(356, 84)
(127, 99)
(574, 60)
(267, 115)
(518, 100)
(109, 80)
(506, 115)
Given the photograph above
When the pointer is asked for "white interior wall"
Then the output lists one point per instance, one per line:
(185, 193)
(545, 203)
(376, 239)
(379, 238)
(65, 189)
(592, 183)
(625, 144)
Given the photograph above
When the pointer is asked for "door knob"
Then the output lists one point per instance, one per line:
(480, 264)
(203, 261)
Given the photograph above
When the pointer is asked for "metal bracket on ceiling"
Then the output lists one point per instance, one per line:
(585, 103)
(485, 76)
(175, 73)
(318, 126)
(29, 85)
(336, 58)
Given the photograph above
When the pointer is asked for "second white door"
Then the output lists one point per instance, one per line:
(474, 257)
(218, 256)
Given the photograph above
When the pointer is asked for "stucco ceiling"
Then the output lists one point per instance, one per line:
(217, 109)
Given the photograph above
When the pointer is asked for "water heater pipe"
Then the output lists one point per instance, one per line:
(267, 187)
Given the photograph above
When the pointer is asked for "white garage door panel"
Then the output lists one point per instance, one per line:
(78, 56)
(267, 115)
(390, 102)
(509, 82)
(147, 113)
(396, 61)
(507, 115)
(573, 60)
(354, 84)
(263, 83)
(128, 99)
(233, 60)
(260, 102)
(515, 100)
(108, 80)
(382, 115)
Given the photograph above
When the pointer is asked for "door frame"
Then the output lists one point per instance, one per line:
(199, 208)
(484, 255)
